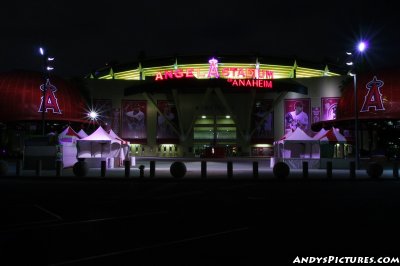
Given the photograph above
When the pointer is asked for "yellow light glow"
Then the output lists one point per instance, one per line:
(262, 146)
(201, 71)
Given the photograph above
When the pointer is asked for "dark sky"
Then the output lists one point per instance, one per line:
(84, 35)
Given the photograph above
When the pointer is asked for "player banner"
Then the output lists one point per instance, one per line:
(134, 119)
(297, 113)
(329, 106)
(167, 121)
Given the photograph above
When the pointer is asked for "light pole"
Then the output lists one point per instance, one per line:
(361, 47)
(357, 153)
(46, 68)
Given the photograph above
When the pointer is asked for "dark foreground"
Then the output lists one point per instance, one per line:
(71, 221)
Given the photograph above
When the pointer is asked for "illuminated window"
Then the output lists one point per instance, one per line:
(225, 120)
(226, 132)
(203, 133)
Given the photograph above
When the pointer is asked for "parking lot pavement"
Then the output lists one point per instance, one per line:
(94, 221)
(114, 220)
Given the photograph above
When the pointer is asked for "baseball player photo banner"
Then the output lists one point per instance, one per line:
(297, 114)
(262, 120)
(167, 121)
(116, 119)
(329, 105)
(104, 108)
(133, 120)
(316, 114)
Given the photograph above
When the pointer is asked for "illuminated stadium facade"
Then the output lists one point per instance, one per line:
(211, 106)
(207, 106)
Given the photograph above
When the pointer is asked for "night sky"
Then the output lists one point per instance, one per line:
(85, 35)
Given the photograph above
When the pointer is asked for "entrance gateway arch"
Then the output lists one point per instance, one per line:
(215, 117)
(225, 100)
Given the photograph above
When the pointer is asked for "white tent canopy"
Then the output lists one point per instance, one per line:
(298, 136)
(68, 135)
(116, 137)
(82, 134)
(285, 136)
(333, 144)
(295, 144)
(67, 139)
(99, 135)
(122, 150)
(333, 135)
(319, 134)
(98, 144)
(295, 147)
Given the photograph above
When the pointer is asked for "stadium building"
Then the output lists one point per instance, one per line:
(207, 106)
(211, 106)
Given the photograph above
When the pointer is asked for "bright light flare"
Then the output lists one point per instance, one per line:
(41, 51)
(93, 115)
(362, 46)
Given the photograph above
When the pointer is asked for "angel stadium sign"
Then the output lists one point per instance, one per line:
(257, 83)
(236, 76)
(49, 101)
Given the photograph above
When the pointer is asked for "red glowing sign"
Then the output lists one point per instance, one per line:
(50, 100)
(226, 72)
(213, 71)
(178, 73)
(373, 98)
(247, 73)
(256, 83)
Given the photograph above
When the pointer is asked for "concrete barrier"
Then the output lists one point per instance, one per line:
(103, 166)
(305, 169)
(329, 169)
(203, 169)
(59, 167)
(127, 165)
(229, 169)
(152, 168)
(352, 170)
(141, 170)
(255, 170)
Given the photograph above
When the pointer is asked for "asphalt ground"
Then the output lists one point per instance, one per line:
(112, 220)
